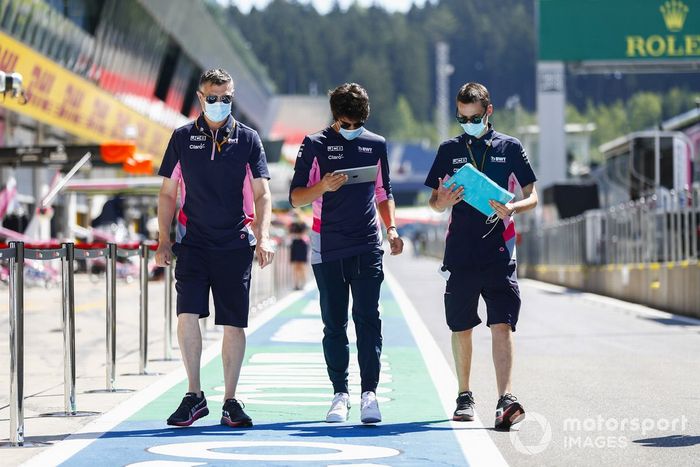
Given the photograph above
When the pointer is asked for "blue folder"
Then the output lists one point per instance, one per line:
(479, 189)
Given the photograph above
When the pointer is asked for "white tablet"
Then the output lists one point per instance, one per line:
(359, 174)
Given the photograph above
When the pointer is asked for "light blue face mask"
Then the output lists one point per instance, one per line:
(473, 129)
(351, 134)
(217, 112)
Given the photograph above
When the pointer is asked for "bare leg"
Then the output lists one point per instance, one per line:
(302, 274)
(190, 340)
(502, 349)
(299, 272)
(462, 352)
(232, 352)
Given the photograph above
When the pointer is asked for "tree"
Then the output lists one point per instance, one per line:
(644, 111)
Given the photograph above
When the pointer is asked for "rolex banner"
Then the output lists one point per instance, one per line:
(619, 30)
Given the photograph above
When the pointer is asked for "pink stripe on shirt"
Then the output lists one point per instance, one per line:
(314, 178)
(379, 190)
(177, 175)
(248, 196)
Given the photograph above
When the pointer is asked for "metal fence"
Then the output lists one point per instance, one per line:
(659, 228)
(266, 285)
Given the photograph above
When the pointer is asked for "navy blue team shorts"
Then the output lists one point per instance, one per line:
(496, 282)
(225, 272)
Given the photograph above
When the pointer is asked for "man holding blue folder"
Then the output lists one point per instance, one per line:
(480, 249)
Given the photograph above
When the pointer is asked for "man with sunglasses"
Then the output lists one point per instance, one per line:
(479, 256)
(346, 253)
(219, 166)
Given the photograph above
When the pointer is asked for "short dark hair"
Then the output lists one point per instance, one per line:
(474, 92)
(215, 76)
(349, 100)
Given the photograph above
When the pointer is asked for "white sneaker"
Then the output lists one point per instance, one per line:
(339, 408)
(369, 408)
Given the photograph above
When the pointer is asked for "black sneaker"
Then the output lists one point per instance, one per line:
(465, 407)
(508, 412)
(191, 408)
(233, 414)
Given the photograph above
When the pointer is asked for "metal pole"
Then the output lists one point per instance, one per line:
(143, 321)
(111, 321)
(657, 162)
(17, 345)
(168, 328)
(68, 289)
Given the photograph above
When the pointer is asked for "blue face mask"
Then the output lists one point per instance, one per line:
(217, 112)
(351, 134)
(473, 129)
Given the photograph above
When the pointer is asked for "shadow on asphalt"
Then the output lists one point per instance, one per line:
(294, 429)
(671, 441)
(673, 321)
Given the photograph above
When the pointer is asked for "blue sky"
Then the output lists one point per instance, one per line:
(325, 5)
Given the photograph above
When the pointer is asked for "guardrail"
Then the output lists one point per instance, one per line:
(660, 228)
(265, 285)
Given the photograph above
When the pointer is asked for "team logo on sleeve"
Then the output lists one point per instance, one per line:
(301, 150)
(524, 154)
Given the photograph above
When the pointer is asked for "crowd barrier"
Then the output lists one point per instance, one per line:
(660, 228)
(266, 285)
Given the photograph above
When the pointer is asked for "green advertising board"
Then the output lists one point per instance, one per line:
(619, 30)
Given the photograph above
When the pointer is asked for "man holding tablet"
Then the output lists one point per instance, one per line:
(480, 250)
(344, 173)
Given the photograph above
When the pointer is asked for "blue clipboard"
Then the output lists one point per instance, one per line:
(479, 189)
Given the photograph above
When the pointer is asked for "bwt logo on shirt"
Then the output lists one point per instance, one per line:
(460, 160)
(197, 146)
(498, 159)
(364, 149)
(334, 148)
(198, 138)
(524, 154)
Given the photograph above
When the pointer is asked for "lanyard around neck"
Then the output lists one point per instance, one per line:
(483, 158)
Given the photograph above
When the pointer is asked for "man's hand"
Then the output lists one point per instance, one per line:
(395, 242)
(264, 252)
(332, 182)
(503, 211)
(448, 197)
(164, 253)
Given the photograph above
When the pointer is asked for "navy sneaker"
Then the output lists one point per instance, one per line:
(234, 416)
(191, 408)
(508, 412)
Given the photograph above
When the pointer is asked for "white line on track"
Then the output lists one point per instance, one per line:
(63, 450)
(478, 447)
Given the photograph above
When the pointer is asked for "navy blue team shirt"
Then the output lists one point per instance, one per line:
(506, 163)
(215, 169)
(345, 222)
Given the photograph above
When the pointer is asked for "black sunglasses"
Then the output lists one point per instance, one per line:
(476, 119)
(346, 125)
(226, 99)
